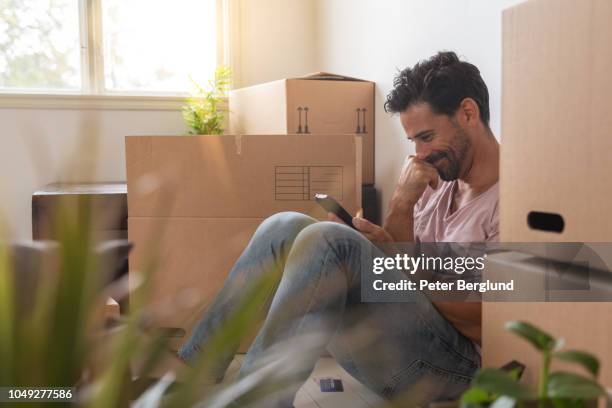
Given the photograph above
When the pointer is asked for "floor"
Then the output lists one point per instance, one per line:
(355, 395)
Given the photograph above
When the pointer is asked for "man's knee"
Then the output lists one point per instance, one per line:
(327, 232)
(285, 224)
(332, 245)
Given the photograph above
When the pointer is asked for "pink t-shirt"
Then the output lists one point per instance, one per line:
(475, 221)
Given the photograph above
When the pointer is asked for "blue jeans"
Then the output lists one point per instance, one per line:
(405, 350)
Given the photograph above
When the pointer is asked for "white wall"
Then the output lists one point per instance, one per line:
(38, 146)
(277, 40)
(374, 39)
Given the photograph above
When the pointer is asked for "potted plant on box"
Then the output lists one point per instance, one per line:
(494, 387)
(205, 110)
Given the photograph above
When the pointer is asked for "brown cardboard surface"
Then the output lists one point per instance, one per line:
(555, 146)
(556, 121)
(194, 257)
(250, 176)
(584, 326)
(332, 102)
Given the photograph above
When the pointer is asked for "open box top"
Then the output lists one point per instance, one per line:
(327, 76)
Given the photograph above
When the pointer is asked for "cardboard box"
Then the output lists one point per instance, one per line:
(584, 325)
(108, 202)
(251, 176)
(195, 201)
(556, 176)
(195, 255)
(316, 103)
(537, 279)
(556, 173)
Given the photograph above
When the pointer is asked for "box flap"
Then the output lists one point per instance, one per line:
(327, 76)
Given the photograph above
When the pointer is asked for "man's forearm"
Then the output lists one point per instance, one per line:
(466, 317)
(399, 222)
(414, 178)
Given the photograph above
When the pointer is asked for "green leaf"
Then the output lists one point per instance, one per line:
(569, 385)
(7, 316)
(475, 395)
(567, 403)
(585, 359)
(537, 337)
(206, 108)
(500, 383)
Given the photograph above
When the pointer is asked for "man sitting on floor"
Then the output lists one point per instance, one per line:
(447, 192)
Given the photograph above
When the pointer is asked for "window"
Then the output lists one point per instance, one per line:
(39, 44)
(109, 47)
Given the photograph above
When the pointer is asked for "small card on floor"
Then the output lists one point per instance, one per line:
(331, 385)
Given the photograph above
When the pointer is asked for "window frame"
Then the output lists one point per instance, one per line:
(92, 94)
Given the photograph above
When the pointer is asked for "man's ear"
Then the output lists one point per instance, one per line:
(470, 112)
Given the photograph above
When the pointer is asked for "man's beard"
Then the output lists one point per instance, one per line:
(450, 168)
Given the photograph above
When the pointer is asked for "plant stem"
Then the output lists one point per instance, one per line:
(543, 390)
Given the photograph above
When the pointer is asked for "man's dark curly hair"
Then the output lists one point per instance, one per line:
(442, 81)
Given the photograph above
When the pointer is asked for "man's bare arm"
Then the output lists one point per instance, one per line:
(414, 178)
(399, 222)
(465, 316)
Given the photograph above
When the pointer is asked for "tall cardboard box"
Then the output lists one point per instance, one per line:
(556, 175)
(313, 104)
(584, 326)
(556, 172)
(195, 201)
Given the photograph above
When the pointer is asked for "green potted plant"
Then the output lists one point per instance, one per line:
(495, 387)
(205, 110)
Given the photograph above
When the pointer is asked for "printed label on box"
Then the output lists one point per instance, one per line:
(303, 182)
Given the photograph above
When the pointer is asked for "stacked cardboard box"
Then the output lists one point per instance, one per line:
(108, 202)
(556, 176)
(195, 201)
(320, 103)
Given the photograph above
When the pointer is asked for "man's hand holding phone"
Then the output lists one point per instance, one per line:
(371, 231)
(336, 213)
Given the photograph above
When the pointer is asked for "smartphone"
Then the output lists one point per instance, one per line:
(332, 206)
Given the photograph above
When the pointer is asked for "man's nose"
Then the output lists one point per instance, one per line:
(421, 152)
